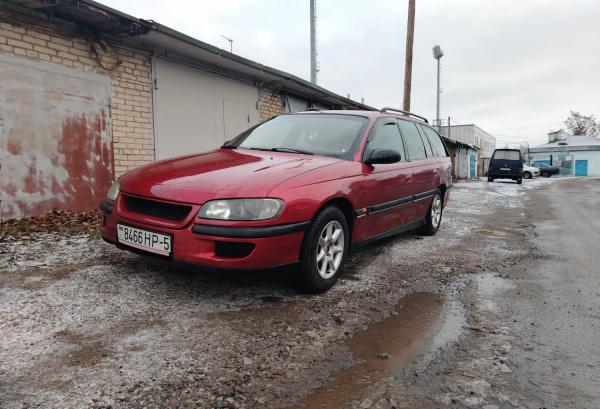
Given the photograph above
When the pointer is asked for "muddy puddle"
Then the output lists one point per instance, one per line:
(421, 323)
(488, 285)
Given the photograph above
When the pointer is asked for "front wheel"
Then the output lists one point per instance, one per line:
(527, 175)
(546, 174)
(519, 181)
(490, 179)
(434, 216)
(324, 250)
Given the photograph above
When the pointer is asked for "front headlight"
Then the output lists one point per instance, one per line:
(241, 209)
(113, 191)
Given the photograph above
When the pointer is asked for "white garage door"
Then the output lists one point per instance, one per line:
(196, 111)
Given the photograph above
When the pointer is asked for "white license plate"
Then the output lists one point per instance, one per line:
(150, 241)
(504, 168)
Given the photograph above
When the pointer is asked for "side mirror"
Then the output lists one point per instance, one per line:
(381, 156)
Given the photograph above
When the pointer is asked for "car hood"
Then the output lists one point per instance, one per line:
(222, 173)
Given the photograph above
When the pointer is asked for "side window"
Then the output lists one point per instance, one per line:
(428, 150)
(436, 141)
(385, 135)
(412, 139)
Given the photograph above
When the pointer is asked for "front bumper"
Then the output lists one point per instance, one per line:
(198, 243)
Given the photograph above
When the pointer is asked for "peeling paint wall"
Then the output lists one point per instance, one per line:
(55, 138)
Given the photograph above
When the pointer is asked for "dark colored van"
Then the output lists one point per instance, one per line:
(506, 164)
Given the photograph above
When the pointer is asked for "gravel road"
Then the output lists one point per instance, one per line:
(454, 320)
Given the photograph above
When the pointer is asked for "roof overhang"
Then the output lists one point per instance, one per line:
(162, 41)
(454, 142)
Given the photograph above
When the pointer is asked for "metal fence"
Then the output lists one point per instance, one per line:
(561, 160)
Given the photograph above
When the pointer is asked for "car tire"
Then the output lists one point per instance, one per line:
(519, 181)
(527, 175)
(546, 174)
(490, 179)
(324, 250)
(434, 216)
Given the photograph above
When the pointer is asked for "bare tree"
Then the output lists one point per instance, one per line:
(579, 124)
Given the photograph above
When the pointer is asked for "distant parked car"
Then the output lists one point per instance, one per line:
(530, 171)
(547, 170)
(506, 164)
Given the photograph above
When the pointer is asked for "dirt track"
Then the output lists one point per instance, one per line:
(85, 325)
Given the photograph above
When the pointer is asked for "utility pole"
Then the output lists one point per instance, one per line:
(410, 34)
(438, 53)
(313, 42)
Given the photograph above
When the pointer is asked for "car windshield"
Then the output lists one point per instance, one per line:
(320, 134)
(507, 155)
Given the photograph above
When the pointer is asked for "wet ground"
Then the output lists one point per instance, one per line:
(499, 309)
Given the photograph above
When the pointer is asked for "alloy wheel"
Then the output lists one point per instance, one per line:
(436, 211)
(330, 249)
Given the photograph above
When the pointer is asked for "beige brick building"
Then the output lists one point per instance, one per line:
(88, 93)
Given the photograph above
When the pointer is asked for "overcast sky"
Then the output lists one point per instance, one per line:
(514, 68)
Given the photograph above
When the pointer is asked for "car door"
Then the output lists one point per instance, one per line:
(423, 166)
(387, 187)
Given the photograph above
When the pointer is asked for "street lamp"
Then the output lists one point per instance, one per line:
(438, 53)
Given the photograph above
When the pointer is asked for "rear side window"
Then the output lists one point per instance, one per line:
(436, 141)
(412, 139)
(507, 155)
(427, 146)
(385, 135)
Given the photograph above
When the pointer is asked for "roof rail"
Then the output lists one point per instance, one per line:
(385, 109)
(312, 109)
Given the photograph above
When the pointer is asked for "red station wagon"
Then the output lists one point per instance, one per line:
(299, 188)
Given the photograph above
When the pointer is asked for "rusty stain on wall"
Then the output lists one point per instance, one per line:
(55, 141)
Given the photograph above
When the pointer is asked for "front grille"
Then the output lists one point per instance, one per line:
(161, 210)
(230, 249)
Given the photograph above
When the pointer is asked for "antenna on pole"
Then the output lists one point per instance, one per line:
(230, 43)
(314, 66)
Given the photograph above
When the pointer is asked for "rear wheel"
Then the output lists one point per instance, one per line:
(490, 179)
(519, 181)
(546, 174)
(324, 250)
(527, 175)
(434, 216)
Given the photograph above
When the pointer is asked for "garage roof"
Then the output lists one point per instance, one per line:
(167, 42)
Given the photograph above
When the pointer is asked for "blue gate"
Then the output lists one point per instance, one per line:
(581, 167)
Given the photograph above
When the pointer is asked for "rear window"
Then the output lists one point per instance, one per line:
(436, 141)
(507, 155)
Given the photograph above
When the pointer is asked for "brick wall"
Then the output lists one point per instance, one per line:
(35, 38)
(270, 104)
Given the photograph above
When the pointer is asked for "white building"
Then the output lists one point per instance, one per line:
(576, 155)
(472, 135)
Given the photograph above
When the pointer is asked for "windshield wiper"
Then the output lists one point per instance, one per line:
(290, 150)
(225, 146)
